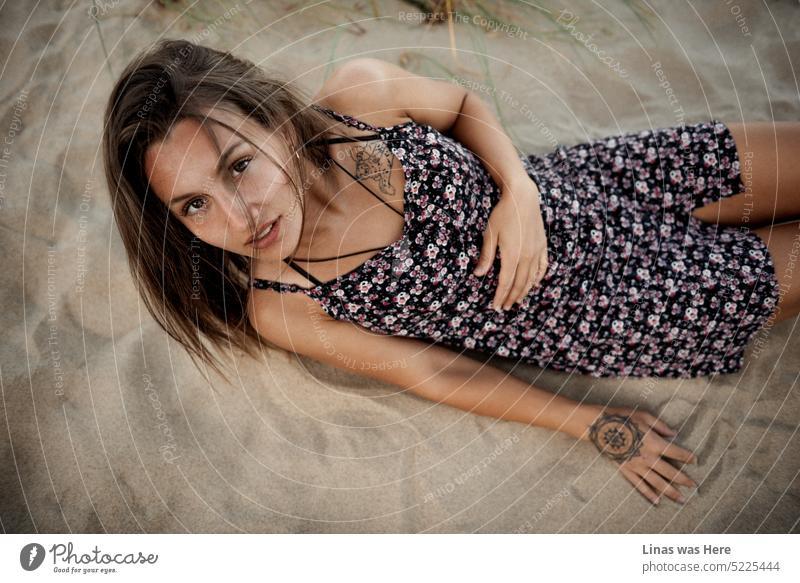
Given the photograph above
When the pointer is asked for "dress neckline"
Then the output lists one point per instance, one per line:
(407, 171)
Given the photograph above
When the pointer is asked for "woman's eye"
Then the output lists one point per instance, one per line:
(237, 166)
(189, 207)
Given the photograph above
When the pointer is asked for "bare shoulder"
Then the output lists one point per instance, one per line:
(287, 320)
(362, 88)
(384, 94)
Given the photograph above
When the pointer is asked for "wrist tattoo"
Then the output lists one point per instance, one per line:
(616, 436)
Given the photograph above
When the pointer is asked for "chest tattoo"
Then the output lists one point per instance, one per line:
(374, 161)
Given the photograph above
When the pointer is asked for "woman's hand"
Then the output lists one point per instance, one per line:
(635, 440)
(515, 226)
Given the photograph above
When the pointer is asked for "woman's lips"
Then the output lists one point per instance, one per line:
(259, 230)
(269, 238)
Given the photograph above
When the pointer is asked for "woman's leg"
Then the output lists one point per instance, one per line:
(769, 163)
(784, 247)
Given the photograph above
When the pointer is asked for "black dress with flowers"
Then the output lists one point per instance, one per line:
(636, 286)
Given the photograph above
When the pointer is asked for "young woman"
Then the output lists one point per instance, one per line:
(391, 224)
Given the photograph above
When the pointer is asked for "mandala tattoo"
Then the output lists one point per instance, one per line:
(616, 436)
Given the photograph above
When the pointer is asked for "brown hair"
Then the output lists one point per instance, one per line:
(175, 80)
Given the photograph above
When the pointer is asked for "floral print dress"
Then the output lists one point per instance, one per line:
(636, 286)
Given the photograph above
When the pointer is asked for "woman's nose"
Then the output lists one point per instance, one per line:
(247, 213)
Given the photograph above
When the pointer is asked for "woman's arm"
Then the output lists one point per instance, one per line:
(479, 129)
(516, 227)
(297, 324)
(633, 438)
(470, 385)
(381, 86)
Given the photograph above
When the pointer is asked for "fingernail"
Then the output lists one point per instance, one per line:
(681, 499)
(656, 501)
(693, 485)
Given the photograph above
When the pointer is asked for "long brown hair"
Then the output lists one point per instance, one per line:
(175, 80)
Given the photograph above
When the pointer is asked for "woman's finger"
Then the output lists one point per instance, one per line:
(673, 474)
(534, 275)
(659, 425)
(488, 249)
(662, 486)
(640, 484)
(520, 282)
(676, 452)
(508, 267)
(542, 268)
(538, 268)
(530, 284)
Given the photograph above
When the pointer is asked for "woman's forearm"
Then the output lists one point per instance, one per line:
(486, 390)
(479, 129)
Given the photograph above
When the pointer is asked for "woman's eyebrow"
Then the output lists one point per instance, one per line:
(220, 167)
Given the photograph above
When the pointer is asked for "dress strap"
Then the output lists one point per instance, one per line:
(350, 121)
(346, 119)
(342, 256)
(343, 139)
(310, 277)
(302, 271)
(368, 188)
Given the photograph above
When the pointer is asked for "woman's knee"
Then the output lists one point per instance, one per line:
(783, 242)
(767, 153)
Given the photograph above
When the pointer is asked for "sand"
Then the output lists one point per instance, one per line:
(107, 427)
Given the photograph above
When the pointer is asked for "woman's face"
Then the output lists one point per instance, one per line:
(226, 201)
